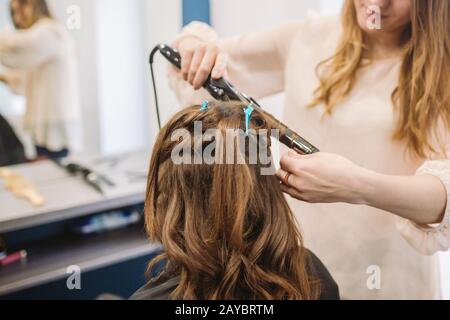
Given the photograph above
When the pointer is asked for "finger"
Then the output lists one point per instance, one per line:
(220, 66)
(291, 164)
(292, 192)
(195, 64)
(205, 69)
(283, 176)
(291, 180)
(294, 154)
(186, 59)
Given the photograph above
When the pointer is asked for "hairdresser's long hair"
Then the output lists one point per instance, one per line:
(227, 230)
(422, 97)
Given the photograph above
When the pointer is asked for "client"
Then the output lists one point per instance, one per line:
(227, 230)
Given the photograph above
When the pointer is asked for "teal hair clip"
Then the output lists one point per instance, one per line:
(205, 105)
(248, 115)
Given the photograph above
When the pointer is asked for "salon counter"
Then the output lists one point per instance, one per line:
(69, 196)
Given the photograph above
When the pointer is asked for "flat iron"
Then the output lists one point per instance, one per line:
(222, 90)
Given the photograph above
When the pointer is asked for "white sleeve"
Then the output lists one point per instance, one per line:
(256, 60)
(432, 238)
(184, 92)
(27, 48)
(16, 80)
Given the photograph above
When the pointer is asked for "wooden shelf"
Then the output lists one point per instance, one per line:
(48, 261)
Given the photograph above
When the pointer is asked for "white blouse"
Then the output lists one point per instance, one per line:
(42, 65)
(356, 243)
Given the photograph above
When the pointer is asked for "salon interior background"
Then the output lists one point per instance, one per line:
(114, 39)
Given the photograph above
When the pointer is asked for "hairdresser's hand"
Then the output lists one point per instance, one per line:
(199, 60)
(321, 178)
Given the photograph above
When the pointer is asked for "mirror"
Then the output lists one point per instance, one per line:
(86, 90)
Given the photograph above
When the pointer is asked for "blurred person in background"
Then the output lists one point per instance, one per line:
(40, 60)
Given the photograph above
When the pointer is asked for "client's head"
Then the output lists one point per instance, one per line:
(226, 229)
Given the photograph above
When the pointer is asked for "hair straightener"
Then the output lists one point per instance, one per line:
(223, 90)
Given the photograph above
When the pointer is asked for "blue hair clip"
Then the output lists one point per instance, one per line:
(204, 106)
(248, 114)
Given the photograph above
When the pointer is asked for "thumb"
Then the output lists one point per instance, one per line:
(294, 154)
(220, 66)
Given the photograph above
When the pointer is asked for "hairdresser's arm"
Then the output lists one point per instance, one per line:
(254, 62)
(325, 178)
(14, 79)
(26, 48)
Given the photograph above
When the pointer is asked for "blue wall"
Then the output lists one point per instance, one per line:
(196, 10)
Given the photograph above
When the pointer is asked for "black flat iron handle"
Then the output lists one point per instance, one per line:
(172, 55)
(219, 89)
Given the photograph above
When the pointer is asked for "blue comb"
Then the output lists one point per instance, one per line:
(248, 115)
(204, 106)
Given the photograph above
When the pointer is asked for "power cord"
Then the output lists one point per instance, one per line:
(151, 60)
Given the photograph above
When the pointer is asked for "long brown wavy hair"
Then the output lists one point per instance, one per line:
(422, 97)
(227, 230)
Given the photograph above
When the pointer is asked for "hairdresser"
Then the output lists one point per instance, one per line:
(375, 100)
(41, 64)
